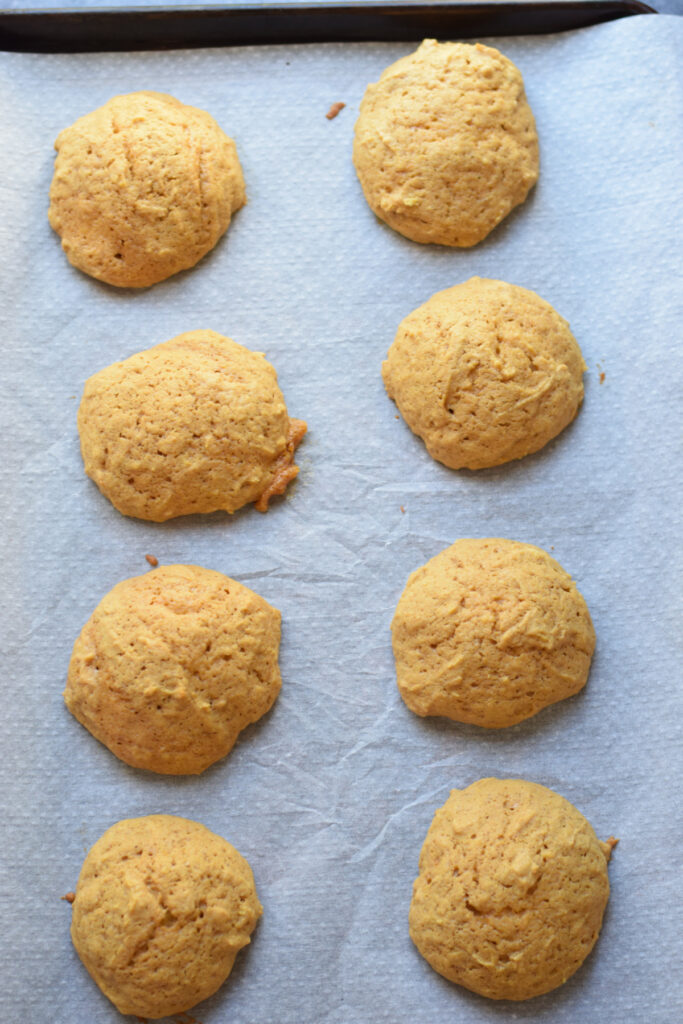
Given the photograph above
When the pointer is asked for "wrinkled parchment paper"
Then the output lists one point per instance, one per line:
(330, 796)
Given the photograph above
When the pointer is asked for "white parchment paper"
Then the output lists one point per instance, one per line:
(330, 796)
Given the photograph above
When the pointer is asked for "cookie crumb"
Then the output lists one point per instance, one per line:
(334, 110)
(284, 468)
(152, 560)
(611, 843)
(69, 897)
(602, 377)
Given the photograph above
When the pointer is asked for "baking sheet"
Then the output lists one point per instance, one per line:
(330, 796)
(663, 6)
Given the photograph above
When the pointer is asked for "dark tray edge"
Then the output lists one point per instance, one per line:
(77, 30)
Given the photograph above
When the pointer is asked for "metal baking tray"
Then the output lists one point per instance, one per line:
(77, 30)
(316, 836)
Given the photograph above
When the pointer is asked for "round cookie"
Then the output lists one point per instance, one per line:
(162, 908)
(445, 144)
(489, 632)
(195, 424)
(143, 187)
(511, 891)
(172, 665)
(484, 372)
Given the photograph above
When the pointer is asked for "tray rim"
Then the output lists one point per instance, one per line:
(114, 29)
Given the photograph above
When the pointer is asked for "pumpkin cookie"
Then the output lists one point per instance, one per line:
(489, 632)
(511, 891)
(172, 665)
(162, 908)
(143, 187)
(446, 143)
(485, 372)
(195, 424)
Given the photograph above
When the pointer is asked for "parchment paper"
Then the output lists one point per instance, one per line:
(331, 795)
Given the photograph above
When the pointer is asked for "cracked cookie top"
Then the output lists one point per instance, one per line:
(489, 632)
(143, 187)
(485, 372)
(195, 424)
(445, 144)
(162, 907)
(511, 891)
(172, 665)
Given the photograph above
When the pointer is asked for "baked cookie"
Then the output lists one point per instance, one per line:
(143, 187)
(162, 908)
(446, 143)
(484, 372)
(195, 424)
(489, 632)
(172, 665)
(511, 891)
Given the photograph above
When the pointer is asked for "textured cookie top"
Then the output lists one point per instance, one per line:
(511, 891)
(172, 665)
(195, 424)
(162, 908)
(143, 187)
(484, 372)
(489, 632)
(446, 143)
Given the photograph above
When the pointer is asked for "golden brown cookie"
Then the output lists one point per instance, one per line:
(446, 143)
(163, 906)
(195, 424)
(512, 889)
(143, 187)
(484, 372)
(489, 632)
(172, 665)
